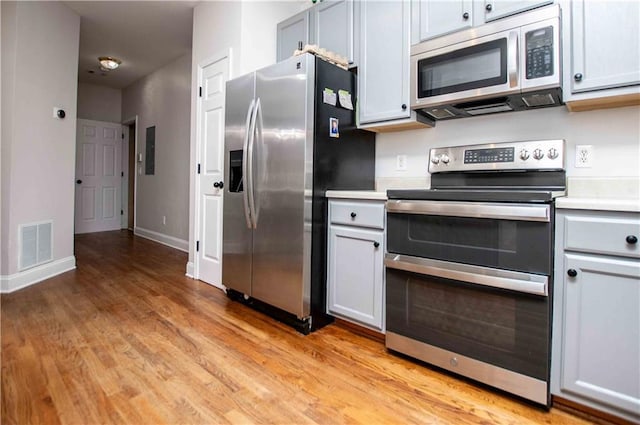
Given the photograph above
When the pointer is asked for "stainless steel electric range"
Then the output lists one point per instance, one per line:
(469, 264)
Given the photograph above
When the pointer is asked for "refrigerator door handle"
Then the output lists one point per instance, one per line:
(245, 147)
(251, 142)
(258, 140)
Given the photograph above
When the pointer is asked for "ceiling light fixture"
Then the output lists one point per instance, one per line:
(108, 63)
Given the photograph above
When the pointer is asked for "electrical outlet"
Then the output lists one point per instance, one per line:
(401, 162)
(584, 156)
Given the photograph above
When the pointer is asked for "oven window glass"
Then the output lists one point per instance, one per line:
(503, 328)
(504, 244)
(470, 68)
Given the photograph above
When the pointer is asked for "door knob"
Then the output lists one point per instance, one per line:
(218, 185)
(79, 181)
(632, 239)
(376, 244)
(572, 272)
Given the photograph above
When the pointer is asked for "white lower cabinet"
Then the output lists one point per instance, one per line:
(596, 335)
(355, 270)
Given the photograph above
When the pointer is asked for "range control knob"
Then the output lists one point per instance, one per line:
(524, 154)
(435, 159)
(538, 154)
(445, 159)
(553, 153)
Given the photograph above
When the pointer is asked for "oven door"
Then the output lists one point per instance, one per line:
(496, 235)
(498, 336)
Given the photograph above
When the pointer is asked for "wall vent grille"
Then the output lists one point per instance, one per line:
(36, 244)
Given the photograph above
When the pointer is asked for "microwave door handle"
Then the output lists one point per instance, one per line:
(245, 154)
(512, 59)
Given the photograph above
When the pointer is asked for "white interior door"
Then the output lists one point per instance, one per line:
(213, 77)
(98, 176)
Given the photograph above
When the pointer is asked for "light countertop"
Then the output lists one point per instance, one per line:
(602, 193)
(600, 204)
(357, 194)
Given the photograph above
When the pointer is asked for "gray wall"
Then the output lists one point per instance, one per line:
(99, 103)
(162, 99)
(39, 72)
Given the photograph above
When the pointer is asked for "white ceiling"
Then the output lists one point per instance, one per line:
(145, 35)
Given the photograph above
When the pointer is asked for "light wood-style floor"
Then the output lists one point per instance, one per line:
(127, 338)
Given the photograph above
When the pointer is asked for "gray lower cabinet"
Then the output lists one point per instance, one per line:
(355, 271)
(596, 334)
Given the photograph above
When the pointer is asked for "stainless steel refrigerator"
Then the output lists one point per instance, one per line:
(290, 135)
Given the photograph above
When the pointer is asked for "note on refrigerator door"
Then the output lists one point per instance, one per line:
(329, 97)
(344, 98)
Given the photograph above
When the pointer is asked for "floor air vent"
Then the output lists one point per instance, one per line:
(35, 244)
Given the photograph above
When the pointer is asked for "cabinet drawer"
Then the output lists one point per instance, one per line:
(357, 213)
(611, 236)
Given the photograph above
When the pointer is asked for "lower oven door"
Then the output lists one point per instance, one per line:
(490, 325)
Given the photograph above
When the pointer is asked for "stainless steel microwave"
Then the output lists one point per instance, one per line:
(507, 65)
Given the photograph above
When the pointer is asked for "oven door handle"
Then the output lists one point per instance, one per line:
(503, 279)
(520, 212)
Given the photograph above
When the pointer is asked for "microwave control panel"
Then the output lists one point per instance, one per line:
(539, 45)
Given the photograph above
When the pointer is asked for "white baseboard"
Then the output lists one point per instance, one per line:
(176, 243)
(190, 269)
(36, 274)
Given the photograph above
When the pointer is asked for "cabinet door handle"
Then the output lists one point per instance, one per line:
(632, 239)
(404, 106)
(578, 77)
(465, 16)
(353, 215)
(376, 244)
(489, 7)
(572, 272)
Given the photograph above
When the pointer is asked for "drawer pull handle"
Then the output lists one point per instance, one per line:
(632, 239)
(572, 272)
(353, 215)
(376, 244)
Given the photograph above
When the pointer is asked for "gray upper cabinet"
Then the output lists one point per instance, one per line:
(434, 18)
(596, 328)
(329, 24)
(383, 72)
(604, 45)
(496, 9)
(333, 27)
(290, 33)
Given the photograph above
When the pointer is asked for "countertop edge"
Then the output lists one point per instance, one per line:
(357, 194)
(599, 204)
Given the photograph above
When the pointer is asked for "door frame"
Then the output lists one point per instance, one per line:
(125, 160)
(221, 55)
